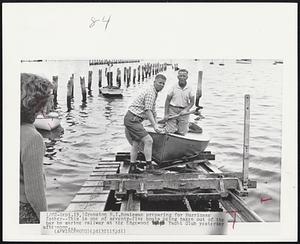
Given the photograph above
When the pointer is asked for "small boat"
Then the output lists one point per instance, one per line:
(171, 147)
(278, 62)
(112, 91)
(243, 61)
(47, 123)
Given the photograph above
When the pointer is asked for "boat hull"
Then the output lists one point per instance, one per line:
(171, 147)
(111, 92)
(46, 123)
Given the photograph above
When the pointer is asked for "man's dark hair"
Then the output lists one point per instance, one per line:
(183, 70)
(160, 76)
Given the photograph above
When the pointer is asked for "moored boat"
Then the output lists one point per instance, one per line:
(46, 123)
(243, 61)
(278, 62)
(112, 91)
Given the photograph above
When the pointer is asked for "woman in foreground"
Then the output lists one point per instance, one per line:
(35, 96)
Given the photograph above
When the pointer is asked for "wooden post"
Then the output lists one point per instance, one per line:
(110, 78)
(129, 73)
(134, 74)
(72, 85)
(246, 141)
(100, 78)
(83, 89)
(139, 73)
(69, 95)
(199, 88)
(125, 73)
(90, 81)
(55, 86)
(118, 77)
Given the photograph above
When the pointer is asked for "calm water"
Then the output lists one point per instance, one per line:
(96, 130)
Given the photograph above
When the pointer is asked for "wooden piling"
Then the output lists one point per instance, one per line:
(83, 89)
(129, 73)
(119, 77)
(139, 73)
(90, 77)
(72, 85)
(125, 74)
(199, 88)
(110, 78)
(55, 86)
(134, 75)
(246, 141)
(100, 78)
(69, 95)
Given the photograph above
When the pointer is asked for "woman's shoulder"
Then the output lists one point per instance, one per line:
(29, 133)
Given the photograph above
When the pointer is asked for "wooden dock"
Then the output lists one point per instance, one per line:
(190, 185)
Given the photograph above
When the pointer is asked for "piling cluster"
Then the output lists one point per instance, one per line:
(112, 61)
(108, 77)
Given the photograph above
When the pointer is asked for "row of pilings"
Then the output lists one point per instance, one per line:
(112, 61)
(107, 78)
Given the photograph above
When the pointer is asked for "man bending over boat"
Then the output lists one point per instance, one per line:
(143, 107)
(179, 101)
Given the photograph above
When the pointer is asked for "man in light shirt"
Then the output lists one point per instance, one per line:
(142, 108)
(180, 100)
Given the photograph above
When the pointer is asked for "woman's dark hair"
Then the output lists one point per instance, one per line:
(35, 94)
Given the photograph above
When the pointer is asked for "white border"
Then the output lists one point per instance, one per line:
(164, 30)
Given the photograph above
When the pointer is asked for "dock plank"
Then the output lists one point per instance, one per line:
(96, 178)
(92, 183)
(100, 197)
(76, 207)
(92, 190)
(105, 166)
(86, 207)
(102, 173)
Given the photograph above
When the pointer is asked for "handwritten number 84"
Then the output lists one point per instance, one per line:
(94, 21)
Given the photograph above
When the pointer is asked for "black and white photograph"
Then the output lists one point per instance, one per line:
(166, 120)
(149, 133)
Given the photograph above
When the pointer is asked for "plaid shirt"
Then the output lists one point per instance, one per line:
(144, 101)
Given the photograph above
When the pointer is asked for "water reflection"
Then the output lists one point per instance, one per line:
(70, 119)
(108, 110)
(53, 137)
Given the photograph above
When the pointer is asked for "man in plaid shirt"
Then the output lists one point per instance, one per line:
(143, 107)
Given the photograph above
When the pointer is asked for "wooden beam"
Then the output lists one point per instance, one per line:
(246, 141)
(235, 203)
(92, 190)
(178, 196)
(81, 198)
(187, 204)
(207, 183)
(130, 204)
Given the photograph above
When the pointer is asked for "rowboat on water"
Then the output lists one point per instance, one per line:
(48, 123)
(112, 91)
(243, 61)
(171, 147)
(278, 62)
